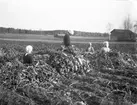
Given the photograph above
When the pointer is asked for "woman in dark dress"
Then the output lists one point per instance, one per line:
(27, 58)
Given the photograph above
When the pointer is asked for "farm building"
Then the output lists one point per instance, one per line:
(59, 35)
(123, 35)
(123, 40)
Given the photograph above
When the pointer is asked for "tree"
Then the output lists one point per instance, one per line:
(127, 24)
(109, 28)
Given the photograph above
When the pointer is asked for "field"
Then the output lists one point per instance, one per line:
(49, 38)
(72, 77)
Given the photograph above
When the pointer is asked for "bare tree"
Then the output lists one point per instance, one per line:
(127, 24)
(109, 28)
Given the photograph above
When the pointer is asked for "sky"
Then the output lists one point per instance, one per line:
(81, 15)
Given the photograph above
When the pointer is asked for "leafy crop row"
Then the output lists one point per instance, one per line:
(72, 77)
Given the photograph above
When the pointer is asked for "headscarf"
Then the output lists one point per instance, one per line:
(106, 43)
(29, 49)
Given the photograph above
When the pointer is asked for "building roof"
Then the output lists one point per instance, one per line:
(121, 30)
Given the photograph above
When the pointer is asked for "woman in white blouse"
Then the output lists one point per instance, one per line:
(90, 48)
(106, 47)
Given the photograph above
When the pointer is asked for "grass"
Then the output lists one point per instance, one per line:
(48, 38)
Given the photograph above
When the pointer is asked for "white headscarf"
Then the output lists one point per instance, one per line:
(90, 44)
(71, 32)
(106, 43)
(29, 49)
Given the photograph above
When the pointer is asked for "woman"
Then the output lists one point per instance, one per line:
(27, 58)
(90, 48)
(2, 57)
(2, 53)
(106, 48)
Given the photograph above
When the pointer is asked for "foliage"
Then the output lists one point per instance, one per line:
(72, 77)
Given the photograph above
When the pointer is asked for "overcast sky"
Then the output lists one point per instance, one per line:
(82, 15)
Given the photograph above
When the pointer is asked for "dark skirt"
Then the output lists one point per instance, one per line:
(27, 59)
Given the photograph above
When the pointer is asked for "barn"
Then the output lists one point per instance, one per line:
(123, 35)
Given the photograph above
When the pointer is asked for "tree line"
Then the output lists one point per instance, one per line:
(23, 31)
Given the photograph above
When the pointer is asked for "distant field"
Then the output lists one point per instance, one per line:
(49, 38)
(53, 43)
